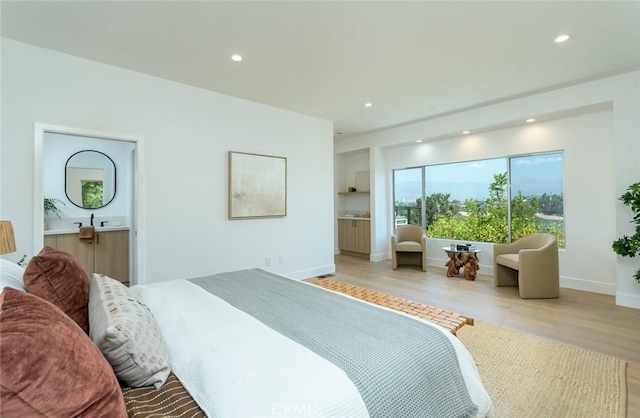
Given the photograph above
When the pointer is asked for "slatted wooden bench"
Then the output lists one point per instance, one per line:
(446, 319)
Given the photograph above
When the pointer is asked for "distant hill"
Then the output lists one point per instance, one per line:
(411, 190)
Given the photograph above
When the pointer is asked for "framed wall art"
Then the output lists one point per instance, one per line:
(257, 186)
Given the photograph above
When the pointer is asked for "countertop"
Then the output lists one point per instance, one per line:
(354, 218)
(76, 230)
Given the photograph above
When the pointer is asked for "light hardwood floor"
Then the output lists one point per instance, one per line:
(588, 320)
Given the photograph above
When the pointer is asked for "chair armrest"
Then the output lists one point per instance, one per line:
(512, 248)
(499, 249)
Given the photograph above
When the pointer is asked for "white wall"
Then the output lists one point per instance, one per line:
(347, 165)
(186, 134)
(382, 209)
(589, 203)
(602, 159)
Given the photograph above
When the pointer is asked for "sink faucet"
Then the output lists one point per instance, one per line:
(92, 216)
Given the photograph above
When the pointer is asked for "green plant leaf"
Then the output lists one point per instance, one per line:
(630, 246)
(50, 206)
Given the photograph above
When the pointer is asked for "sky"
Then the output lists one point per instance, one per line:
(531, 174)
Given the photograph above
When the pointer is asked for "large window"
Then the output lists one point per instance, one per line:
(407, 193)
(464, 202)
(496, 200)
(537, 200)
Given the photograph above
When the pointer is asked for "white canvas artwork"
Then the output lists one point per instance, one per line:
(257, 186)
(362, 181)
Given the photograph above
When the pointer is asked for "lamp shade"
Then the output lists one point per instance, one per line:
(7, 240)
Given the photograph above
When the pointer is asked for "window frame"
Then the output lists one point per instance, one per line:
(508, 160)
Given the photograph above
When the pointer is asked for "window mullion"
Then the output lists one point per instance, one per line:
(508, 199)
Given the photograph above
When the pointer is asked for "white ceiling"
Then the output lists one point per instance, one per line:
(412, 60)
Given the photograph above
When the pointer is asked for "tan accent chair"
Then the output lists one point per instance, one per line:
(531, 263)
(409, 246)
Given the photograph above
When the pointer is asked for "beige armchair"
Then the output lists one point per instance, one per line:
(531, 263)
(409, 246)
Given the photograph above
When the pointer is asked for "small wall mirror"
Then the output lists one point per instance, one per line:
(90, 179)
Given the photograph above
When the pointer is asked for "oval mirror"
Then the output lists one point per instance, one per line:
(90, 179)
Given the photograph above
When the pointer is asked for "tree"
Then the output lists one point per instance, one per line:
(487, 221)
(552, 204)
(92, 193)
(484, 221)
(523, 216)
(436, 205)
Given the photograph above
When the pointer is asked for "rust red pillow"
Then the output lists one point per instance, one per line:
(57, 277)
(49, 366)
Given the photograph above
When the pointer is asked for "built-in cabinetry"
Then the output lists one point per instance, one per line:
(108, 253)
(353, 203)
(354, 237)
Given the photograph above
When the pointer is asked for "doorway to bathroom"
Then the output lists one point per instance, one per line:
(91, 180)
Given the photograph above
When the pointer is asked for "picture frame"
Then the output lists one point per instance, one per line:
(257, 186)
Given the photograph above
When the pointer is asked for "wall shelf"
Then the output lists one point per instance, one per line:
(354, 192)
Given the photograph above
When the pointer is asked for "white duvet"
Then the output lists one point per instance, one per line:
(235, 366)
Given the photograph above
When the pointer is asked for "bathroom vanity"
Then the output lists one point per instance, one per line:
(108, 253)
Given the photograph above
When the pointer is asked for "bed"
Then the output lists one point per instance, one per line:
(245, 344)
(252, 343)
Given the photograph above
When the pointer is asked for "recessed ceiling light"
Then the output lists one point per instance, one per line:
(236, 57)
(530, 120)
(465, 132)
(368, 105)
(418, 140)
(562, 38)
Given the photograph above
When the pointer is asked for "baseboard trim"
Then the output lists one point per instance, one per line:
(628, 300)
(312, 272)
(565, 282)
(632, 301)
(587, 285)
(379, 257)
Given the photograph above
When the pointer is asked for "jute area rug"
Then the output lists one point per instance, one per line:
(525, 375)
(530, 376)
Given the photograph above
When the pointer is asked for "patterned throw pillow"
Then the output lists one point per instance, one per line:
(126, 332)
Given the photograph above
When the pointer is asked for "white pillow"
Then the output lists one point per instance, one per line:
(124, 329)
(11, 275)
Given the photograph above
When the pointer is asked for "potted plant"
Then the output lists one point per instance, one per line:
(630, 246)
(50, 206)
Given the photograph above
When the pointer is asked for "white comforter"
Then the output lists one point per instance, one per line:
(235, 366)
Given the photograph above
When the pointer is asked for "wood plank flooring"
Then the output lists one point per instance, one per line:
(588, 320)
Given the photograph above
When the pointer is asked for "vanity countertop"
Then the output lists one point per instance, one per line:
(76, 230)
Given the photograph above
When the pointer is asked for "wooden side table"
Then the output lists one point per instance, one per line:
(463, 258)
